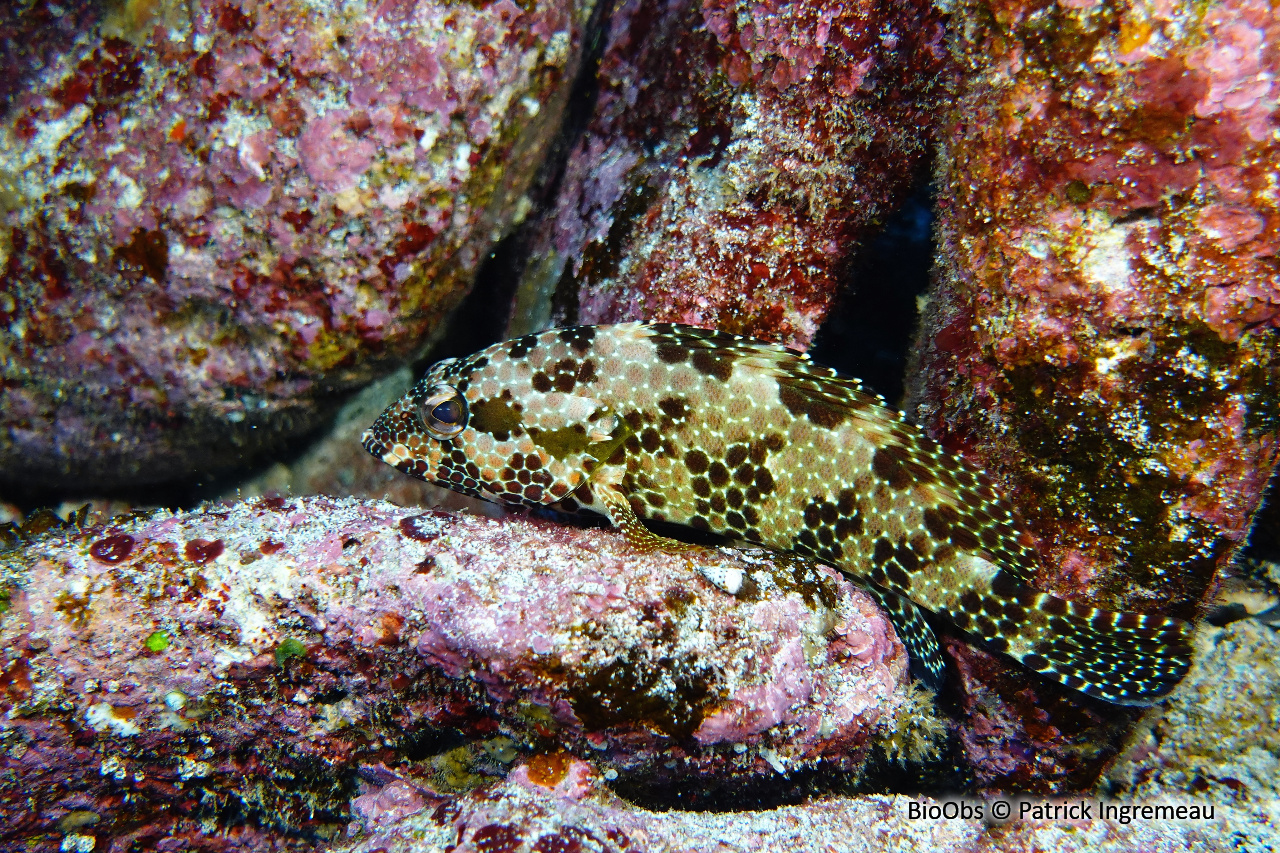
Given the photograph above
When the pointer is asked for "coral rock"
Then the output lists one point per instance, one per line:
(736, 152)
(1097, 337)
(254, 655)
(1219, 735)
(214, 215)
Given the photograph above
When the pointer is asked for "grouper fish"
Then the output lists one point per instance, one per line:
(670, 423)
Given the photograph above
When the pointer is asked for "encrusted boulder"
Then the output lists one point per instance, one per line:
(256, 655)
(215, 215)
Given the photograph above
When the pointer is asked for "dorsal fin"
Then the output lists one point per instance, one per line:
(792, 367)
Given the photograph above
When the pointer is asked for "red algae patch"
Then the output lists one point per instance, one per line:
(112, 549)
(201, 551)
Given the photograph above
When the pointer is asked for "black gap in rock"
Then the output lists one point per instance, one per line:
(1264, 535)
(481, 319)
(868, 333)
(754, 793)
(421, 744)
(185, 490)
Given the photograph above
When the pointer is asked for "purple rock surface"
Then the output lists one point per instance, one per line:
(259, 653)
(214, 215)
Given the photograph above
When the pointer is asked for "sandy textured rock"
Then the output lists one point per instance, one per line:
(1219, 735)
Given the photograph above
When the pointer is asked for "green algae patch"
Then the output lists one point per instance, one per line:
(289, 649)
(156, 642)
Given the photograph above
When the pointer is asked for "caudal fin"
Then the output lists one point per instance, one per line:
(1125, 658)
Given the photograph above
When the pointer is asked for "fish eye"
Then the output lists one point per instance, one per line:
(444, 412)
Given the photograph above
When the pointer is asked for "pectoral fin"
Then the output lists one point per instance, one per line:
(624, 518)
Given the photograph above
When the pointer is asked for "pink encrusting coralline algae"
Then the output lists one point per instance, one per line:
(153, 663)
(1101, 336)
(215, 214)
(737, 153)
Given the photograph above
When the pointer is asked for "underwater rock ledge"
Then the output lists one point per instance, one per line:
(737, 153)
(566, 809)
(249, 659)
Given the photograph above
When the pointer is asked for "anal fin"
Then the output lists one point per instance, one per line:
(924, 657)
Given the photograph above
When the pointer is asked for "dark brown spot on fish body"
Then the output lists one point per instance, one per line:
(938, 521)
(579, 338)
(793, 400)
(819, 412)
(888, 463)
(541, 382)
(964, 539)
(898, 577)
(1053, 606)
(848, 525)
(520, 347)
(674, 407)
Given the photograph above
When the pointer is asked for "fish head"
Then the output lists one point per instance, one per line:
(520, 422)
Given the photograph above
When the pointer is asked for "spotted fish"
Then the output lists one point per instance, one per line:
(734, 436)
